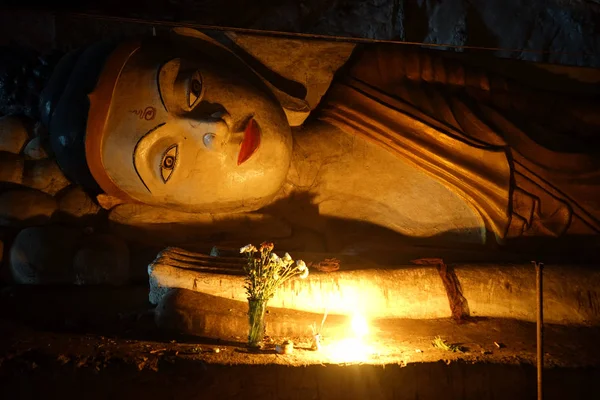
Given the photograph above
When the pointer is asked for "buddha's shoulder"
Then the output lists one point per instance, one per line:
(386, 63)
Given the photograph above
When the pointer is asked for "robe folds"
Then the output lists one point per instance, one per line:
(526, 159)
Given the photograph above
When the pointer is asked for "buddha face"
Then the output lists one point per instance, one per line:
(188, 134)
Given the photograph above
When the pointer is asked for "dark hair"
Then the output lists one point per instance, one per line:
(64, 107)
(23, 74)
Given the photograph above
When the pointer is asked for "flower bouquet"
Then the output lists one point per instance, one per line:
(265, 272)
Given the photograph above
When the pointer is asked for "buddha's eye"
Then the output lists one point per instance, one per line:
(167, 164)
(194, 89)
(209, 140)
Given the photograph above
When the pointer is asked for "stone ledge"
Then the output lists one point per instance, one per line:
(498, 291)
(183, 311)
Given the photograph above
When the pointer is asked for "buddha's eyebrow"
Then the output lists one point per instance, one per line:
(135, 151)
(162, 101)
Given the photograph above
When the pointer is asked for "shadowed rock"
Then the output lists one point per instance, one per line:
(24, 207)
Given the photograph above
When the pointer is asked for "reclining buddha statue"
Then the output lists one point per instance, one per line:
(406, 139)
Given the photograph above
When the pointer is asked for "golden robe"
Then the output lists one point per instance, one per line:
(526, 159)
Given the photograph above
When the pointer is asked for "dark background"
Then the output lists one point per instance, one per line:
(553, 31)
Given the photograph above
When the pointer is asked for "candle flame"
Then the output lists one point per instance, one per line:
(360, 327)
(354, 348)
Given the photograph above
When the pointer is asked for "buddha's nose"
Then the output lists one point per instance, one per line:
(222, 116)
(211, 130)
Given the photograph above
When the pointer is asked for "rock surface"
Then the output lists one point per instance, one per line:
(555, 31)
(34, 149)
(21, 208)
(44, 255)
(102, 259)
(13, 134)
(61, 255)
(76, 206)
(44, 175)
(11, 167)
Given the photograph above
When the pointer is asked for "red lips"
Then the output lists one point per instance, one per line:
(251, 141)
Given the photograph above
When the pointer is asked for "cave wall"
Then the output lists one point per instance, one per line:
(552, 31)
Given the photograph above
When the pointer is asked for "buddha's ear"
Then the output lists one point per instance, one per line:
(290, 94)
(295, 117)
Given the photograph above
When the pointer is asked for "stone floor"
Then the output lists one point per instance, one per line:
(102, 342)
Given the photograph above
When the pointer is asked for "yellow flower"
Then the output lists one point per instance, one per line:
(248, 249)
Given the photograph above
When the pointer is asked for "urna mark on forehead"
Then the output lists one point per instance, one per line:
(136, 105)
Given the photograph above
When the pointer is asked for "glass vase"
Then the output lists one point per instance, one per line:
(256, 320)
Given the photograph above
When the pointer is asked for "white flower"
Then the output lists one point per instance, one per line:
(274, 257)
(248, 249)
(301, 265)
(302, 268)
(304, 274)
(287, 260)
